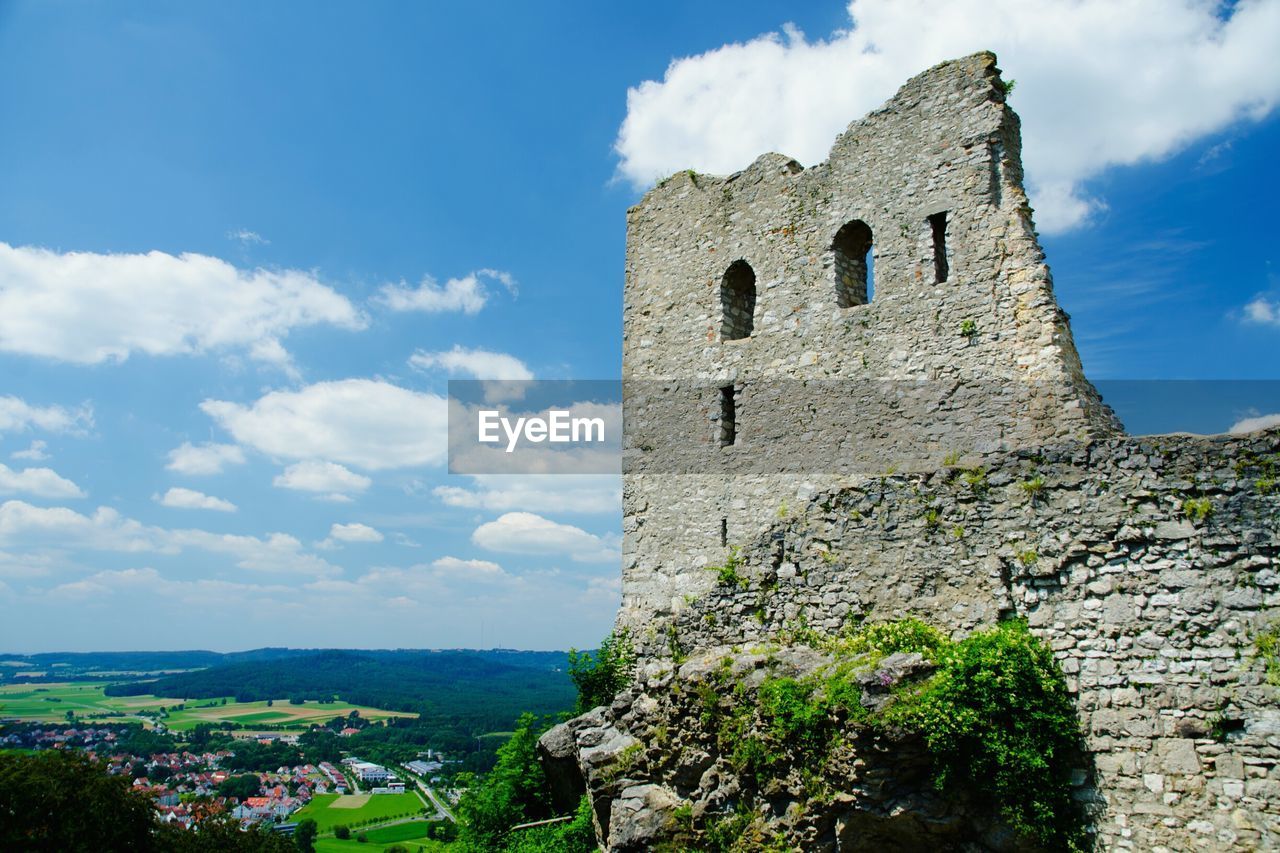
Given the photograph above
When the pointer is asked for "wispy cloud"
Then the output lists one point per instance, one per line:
(247, 238)
(36, 452)
(17, 415)
(466, 295)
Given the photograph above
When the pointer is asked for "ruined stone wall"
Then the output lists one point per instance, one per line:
(989, 333)
(1151, 610)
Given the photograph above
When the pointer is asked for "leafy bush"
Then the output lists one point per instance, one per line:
(1000, 723)
(514, 792)
(996, 718)
(793, 717)
(906, 635)
(575, 836)
(600, 675)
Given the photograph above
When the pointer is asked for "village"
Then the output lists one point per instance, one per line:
(188, 786)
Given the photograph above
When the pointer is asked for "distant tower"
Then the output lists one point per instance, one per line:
(787, 328)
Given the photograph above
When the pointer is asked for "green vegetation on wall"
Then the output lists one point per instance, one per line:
(995, 716)
(601, 674)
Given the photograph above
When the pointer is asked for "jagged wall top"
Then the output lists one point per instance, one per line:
(946, 144)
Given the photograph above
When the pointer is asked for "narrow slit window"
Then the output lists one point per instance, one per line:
(737, 301)
(938, 225)
(853, 264)
(728, 416)
(724, 533)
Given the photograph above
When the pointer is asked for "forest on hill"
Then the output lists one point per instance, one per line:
(459, 696)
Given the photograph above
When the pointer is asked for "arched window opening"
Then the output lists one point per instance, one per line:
(852, 248)
(738, 301)
(938, 227)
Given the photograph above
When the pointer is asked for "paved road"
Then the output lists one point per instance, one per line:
(441, 809)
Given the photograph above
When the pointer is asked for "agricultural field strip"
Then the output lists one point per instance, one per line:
(50, 701)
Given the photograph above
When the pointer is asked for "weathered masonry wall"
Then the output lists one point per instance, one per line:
(908, 256)
(1150, 608)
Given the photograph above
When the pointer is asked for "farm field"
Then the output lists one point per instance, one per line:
(329, 810)
(333, 845)
(50, 702)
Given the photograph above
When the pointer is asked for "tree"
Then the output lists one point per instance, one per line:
(270, 702)
(62, 800)
(600, 675)
(240, 787)
(514, 792)
(221, 833)
(304, 836)
(342, 831)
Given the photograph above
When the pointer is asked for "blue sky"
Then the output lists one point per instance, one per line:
(244, 246)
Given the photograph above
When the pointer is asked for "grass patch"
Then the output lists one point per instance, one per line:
(328, 810)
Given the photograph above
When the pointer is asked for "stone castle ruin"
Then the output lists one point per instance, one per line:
(852, 384)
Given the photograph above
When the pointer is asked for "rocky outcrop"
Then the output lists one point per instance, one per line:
(663, 770)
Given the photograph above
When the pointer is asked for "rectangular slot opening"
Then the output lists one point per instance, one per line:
(938, 225)
(724, 533)
(728, 416)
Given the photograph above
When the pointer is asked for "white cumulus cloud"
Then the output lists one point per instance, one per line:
(578, 493)
(317, 475)
(22, 524)
(180, 498)
(367, 423)
(40, 482)
(467, 294)
(207, 458)
(88, 307)
(1256, 423)
(468, 569)
(354, 532)
(17, 415)
(1100, 84)
(1263, 311)
(477, 363)
(529, 533)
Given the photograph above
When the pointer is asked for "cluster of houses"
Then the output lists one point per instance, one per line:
(335, 776)
(281, 793)
(184, 785)
(31, 737)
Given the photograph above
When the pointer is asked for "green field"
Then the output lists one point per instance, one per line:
(50, 702)
(333, 845)
(397, 832)
(329, 810)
